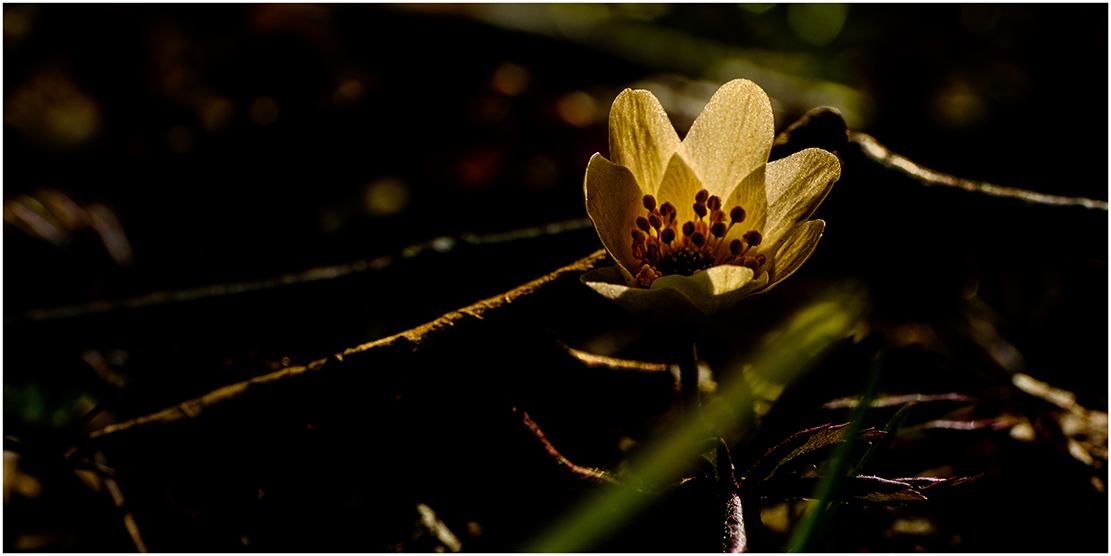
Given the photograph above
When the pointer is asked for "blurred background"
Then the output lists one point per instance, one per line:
(167, 165)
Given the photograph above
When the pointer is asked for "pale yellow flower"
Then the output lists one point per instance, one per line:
(699, 224)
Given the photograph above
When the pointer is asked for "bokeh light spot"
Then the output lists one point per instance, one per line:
(510, 79)
(52, 112)
(817, 24)
(264, 111)
(960, 111)
(17, 22)
(216, 114)
(577, 108)
(349, 93)
(387, 196)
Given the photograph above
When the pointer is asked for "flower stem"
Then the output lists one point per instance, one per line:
(688, 376)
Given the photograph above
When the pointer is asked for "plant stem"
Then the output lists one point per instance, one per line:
(736, 541)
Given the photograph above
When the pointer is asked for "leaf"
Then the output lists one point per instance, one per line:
(859, 489)
(804, 448)
(888, 401)
(891, 428)
(925, 483)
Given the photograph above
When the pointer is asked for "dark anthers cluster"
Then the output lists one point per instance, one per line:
(662, 247)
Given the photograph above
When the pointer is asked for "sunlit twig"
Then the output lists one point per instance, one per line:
(384, 352)
(879, 153)
(443, 244)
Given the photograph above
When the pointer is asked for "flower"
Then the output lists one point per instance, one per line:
(699, 224)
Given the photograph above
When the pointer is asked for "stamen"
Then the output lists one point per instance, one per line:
(703, 243)
(698, 239)
(667, 235)
(718, 229)
(668, 209)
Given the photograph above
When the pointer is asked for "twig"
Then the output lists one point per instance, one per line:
(441, 244)
(585, 472)
(374, 354)
(612, 363)
(117, 499)
(879, 153)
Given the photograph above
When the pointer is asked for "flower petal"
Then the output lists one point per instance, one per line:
(798, 246)
(679, 186)
(712, 290)
(678, 300)
(613, 201)
(641, 137)
(731, 137)
(796, 185)
(748, 194)
(665, 306)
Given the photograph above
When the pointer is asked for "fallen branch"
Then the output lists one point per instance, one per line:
(880, 154)
(391, 350)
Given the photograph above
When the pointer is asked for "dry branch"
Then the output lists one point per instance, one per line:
(391, 350)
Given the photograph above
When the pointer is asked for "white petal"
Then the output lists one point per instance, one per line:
(796, 185)
(797, 247)
(641, 137)
(679, 186)
(613, 201)
(749, 195)
(731, 137)
(679, 300)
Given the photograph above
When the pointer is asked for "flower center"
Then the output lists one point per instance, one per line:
(661, 246)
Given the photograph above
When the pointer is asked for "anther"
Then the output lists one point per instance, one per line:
(760, 259)
(649, 202)
(700, 209)
(750, 262)
(668, 208)
(701, 196)
(688, 229)
(737, 214)
(667, 235)
(638, 236)
(714, 202)
(717, 216)
(753, 238)
(642, 223)
(735, 247)
(718, 229)
(654, 221)
(698, 239)
(653, 252)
